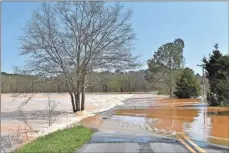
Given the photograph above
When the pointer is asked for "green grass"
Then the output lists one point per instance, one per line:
(67, 140)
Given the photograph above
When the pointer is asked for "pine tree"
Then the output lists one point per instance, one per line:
(217, 72)
(186, 85)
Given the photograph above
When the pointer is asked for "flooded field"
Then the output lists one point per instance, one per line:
(35, 114)
(169, 116)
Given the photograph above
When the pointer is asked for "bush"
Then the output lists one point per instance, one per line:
(186, 85)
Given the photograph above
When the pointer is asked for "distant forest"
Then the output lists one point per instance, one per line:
(118, 81)
(132, 81)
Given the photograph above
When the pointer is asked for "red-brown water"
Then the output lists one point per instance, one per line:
(200, 123)
(209, 124)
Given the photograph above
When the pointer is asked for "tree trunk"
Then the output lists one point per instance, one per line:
(170, 83)
(32, 88)
(77, 100)
(83, 94)
(106, 88)
(73, 102)
(77, 94)
(129, 87)
(170, 91)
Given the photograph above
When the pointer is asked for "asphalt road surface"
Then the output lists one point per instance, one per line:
(116, 142)
(121, 142)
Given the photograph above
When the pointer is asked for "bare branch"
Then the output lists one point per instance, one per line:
(52, 104)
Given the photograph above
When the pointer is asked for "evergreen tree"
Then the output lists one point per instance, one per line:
(217, 72)
(186, 85)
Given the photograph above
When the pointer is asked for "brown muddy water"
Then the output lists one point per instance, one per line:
(200, 123)
(173, 117)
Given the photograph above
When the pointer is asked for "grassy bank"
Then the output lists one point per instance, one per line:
(67, 140)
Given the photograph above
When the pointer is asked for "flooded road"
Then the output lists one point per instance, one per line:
(160, 125)
(172, 117)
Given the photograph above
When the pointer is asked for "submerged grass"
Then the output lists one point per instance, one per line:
(67, 140)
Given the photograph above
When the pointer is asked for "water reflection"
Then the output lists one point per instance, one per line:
(167, 118)
(210, 124)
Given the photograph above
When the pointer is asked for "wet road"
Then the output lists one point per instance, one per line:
(126, 142)
(136, 143)
(144, 125)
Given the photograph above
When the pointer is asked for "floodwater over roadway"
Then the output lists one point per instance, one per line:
(169, 117)
(172, 117)
(187, 116)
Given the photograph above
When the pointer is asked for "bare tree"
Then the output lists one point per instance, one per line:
(11, 141)
(70, 39)
(52, 104)
(21, 112)
(22, 94)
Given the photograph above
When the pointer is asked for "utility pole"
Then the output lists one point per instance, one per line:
(202, 65)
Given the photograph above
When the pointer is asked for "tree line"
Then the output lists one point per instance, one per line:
(118, 81)
(184, 83)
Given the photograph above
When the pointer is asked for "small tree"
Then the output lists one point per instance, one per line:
(186, 85)
(52, 104)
